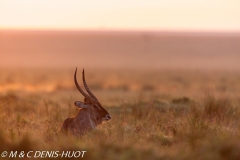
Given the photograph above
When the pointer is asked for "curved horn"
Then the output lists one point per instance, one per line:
(79, 88)
(87, 88)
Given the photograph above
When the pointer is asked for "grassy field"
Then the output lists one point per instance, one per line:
(167, 114)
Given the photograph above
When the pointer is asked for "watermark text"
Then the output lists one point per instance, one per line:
(43, 154)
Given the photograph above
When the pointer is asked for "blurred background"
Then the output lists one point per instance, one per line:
(168, 72)
(129, 45)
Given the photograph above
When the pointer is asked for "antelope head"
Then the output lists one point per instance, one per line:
(90, 114)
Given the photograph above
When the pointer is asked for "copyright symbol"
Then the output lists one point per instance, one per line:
(4, 154)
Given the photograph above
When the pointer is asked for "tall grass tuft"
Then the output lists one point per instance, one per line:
(217, 107)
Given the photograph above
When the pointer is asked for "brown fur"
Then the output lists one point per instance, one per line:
(90, 114)
(85, 120)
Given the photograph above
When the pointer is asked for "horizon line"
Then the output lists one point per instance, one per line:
(120, 30)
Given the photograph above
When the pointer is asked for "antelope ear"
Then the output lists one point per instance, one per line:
(79, 104)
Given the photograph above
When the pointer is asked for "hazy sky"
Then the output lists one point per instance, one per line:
(193, 15)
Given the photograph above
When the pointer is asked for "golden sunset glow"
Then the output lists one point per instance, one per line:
(193, 15)
(166, 72)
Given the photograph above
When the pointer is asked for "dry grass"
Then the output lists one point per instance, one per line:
(159, 126)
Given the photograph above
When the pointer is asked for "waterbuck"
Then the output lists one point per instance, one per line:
(90, 114)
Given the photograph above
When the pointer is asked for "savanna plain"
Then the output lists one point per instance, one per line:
(156, 114)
